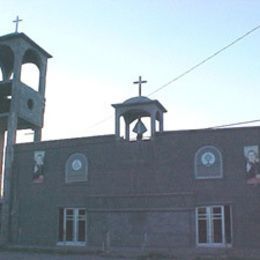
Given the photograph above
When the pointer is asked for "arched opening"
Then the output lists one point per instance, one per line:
(6, 62)
(24, 136)
(1, 74)
(136, 125)
(122, 127)
(6, 68)
(30, 75)
(3, 136)
(146, 121)
(157, 122)
(157, 126)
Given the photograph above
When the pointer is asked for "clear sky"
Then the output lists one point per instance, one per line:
(100, 47)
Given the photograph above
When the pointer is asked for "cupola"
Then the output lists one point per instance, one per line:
(137, 108)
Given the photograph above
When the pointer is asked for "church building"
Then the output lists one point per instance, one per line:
(184, 192)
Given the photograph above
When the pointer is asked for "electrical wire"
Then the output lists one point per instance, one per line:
(206, 60)
(235, 124)
(192, 69)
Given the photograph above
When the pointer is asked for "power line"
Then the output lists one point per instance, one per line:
(100, 122)
(192, 69)
(235, 124)
(206, 59)
(212, 127)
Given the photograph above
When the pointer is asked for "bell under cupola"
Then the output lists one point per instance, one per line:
(134, 110)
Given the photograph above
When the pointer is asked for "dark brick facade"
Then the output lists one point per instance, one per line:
(141, 194)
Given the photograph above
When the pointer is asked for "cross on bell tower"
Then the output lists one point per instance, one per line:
(16, 21)
(140, 82)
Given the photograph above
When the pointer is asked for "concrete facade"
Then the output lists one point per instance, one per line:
(142, 195)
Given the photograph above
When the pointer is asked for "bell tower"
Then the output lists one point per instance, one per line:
(21, 107)
(137, 108)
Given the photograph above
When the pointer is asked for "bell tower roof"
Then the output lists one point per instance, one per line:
(141, 101)
(138, 99)
(13, 37)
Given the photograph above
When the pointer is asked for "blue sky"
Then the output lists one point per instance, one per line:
(100, 47)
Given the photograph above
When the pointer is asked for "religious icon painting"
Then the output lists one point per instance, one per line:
(38, 169)
(251, 154)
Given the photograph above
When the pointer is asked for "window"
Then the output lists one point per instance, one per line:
(208, 163)
(76, 168)
(213, 226)
(72, 226)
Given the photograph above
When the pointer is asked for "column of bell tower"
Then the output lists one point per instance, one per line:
(21, 107)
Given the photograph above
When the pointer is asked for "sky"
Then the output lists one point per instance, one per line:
(100, 47)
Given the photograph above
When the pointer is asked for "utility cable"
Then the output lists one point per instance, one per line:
(235, 124)
(193, 68)
(205, 60)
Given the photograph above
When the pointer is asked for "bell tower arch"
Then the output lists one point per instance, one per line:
(21, 107)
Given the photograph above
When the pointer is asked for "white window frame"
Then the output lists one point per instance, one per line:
(76, 217)
(209, 218)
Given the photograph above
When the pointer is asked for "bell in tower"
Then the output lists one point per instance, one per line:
(21, 107)
(139, 129)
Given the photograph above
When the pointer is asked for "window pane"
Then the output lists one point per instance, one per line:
(217, 230)
(69, 230)
(81, 230)
(61, 223)
(202, 228)
(201, 211)
(227, 224)
(69, 212)
(82, 212)
(217, 210)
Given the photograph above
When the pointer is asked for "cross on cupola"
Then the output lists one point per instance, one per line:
(140, 82)
(17, 23)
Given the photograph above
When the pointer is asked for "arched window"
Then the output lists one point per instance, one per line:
(6, 62)
(76, 168)
(30, 75)
(145, 123)
(208, 163)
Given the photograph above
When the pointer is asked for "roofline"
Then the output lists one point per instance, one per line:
(141, 103)
(210, 129)
(98, 139)
(26, 38)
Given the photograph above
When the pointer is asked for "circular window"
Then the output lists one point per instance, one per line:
(208, 159)
(76, 165)
(30, 103)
